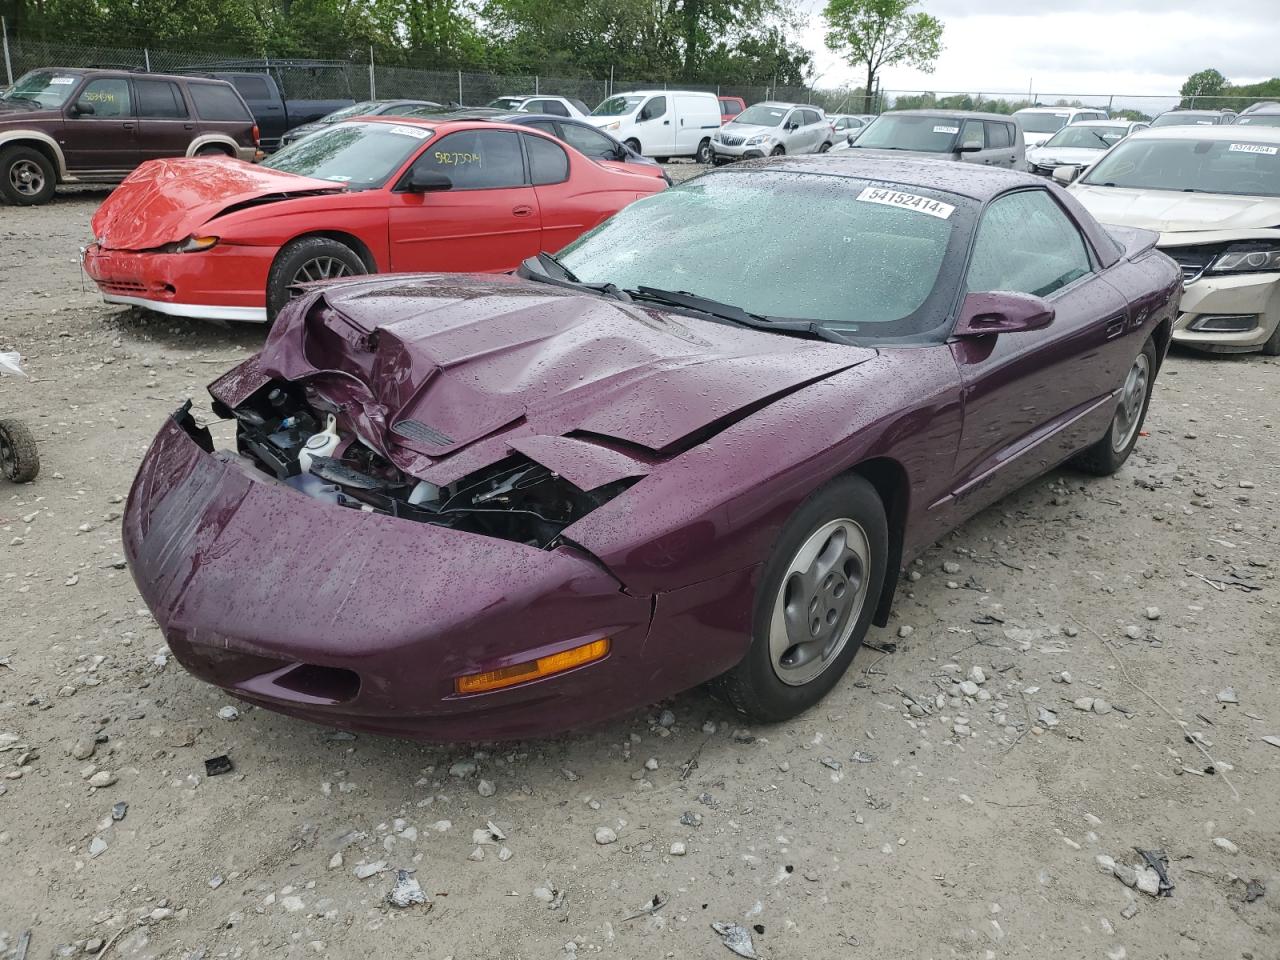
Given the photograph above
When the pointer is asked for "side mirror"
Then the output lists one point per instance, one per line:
(427, 181)
(1003, 311)
(849, 139)
(1066, 174)
(82, 109)
(969, 147)
(793, 125)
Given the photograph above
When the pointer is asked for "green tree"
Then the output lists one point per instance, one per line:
(1204, 83)
(881, 33)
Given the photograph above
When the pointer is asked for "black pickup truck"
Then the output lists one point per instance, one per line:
(283, 94)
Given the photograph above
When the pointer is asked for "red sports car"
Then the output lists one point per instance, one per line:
(222, 239)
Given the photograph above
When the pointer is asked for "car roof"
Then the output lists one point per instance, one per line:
(1217, 132)
(120, 72)
(1054, 109)
(1114, 122)
(957, 114)
(970, 180)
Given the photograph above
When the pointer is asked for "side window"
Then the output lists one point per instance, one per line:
(159, 99)
(971, 134)
(655, 108)
(811, 117)
(546, 126)
(589, 142)
(106, 98)
(251, 87)
(997, 134)
(1026, 243)
(400, 109)
(555, 108)
(548, 163)
(476, 159)
(217, 101)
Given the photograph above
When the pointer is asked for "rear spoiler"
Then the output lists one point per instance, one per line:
(1135, 241)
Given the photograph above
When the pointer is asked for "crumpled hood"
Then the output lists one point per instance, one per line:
(165, 201)
(749, 130)
(452, 370)
(1064, 156)
(1172, 211)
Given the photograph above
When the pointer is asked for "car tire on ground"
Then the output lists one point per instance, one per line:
(777, 151)
(19, 459)
(27, 176)
(307, 259)
(210, 150)
(1272, 347)
(1109, 454)
(705, 154)
(634, 144)
(825, 147)
(820, 586)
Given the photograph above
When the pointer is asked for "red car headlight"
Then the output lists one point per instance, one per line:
(194, 244)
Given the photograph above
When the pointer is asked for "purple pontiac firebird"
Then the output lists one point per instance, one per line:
(697, 445)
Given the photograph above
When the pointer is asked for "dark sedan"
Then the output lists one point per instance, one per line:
(466, 507)
(365, 108)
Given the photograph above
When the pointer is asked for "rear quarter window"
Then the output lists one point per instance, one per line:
(218, 102)
(252, 88)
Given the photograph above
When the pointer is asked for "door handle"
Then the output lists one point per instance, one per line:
(128, 126)
(522, 211)
(188, 126)
(666, 123)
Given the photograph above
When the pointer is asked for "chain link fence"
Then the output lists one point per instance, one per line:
(362, 77)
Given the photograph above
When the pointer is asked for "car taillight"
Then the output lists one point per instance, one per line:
(257, 137)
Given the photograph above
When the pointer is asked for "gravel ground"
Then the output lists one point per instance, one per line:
(911, 815)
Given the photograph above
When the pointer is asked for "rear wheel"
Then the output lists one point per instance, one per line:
(1109, 454)
(824, 148)
(814, 604)
(1272, 347)
(19, 460)
(27, 176)
(209, 150)
(308, 260)
(705, 153)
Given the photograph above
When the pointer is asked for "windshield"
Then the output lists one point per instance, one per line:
(761, 115)
(362, 155)
(1185, 118)
(355, 110)
(886, 246)
(1199, 166)
(1087, 138)
(1041, 122)
(1260, 120)
(506, 103)
(617, 106)
(910, 132)
(45, 87)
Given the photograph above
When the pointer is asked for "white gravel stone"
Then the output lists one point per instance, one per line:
(678, 849)
(103, 778)
(486, 788)
(97, 847)
(367, 870)
(1151, 613)
(228, 713)
(969, 688)
(605, 835)
(1222, 843)
(977, 674)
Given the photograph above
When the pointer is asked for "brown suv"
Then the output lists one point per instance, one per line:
(94, 126)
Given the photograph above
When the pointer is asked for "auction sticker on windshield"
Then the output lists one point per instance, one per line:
(411, 132)
(62, 80)
(912, 201)
(1252, 148)
(946, 129)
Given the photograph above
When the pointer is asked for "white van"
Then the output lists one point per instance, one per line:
(1040, 123)
(662, 123)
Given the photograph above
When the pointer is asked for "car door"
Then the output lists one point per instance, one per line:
(1031, 399)
(100, 131)
(816, 130)
(655, 127)
(999, 148)
(165, 125)
(563, 212)
(487, 221)
(972, 142)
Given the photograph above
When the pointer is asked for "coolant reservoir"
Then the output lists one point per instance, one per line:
(320, 444)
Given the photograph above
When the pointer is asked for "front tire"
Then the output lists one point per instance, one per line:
(307, 260)
(814, 604)
(705, 154)
(27, 176)
(1272, 347)
(824, 148)
(777, 151)
(19, 459)
(1108, 455)
(634, 144)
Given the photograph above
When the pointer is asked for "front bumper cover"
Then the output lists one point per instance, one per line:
(1240, 294)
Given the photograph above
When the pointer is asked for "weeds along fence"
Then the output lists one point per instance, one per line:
(361, 76)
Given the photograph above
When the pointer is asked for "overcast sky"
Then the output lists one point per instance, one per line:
(1082, 47)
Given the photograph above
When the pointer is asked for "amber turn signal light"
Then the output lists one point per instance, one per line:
(533, 669)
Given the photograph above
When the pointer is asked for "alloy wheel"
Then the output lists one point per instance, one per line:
(322, 268)
(819, 601)
(1132, 397)
(26, 178)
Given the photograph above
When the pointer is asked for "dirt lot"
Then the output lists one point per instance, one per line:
(885, 824)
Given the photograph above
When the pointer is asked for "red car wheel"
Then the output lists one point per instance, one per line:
(308, 260)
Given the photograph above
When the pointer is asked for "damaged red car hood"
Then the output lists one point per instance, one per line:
(165, 201)
(444, 374)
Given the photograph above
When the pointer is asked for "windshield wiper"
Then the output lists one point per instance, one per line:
(546, 268)
(729, 313)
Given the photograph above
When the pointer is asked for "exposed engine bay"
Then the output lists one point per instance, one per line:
(515, 499)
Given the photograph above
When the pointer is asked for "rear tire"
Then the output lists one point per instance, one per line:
(1108, 455)
(705, 154)
(824, 148)
(1272, 347)
(820, 586)
(305, 260)
(27, 176)
(209, 150)
(19, 459)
